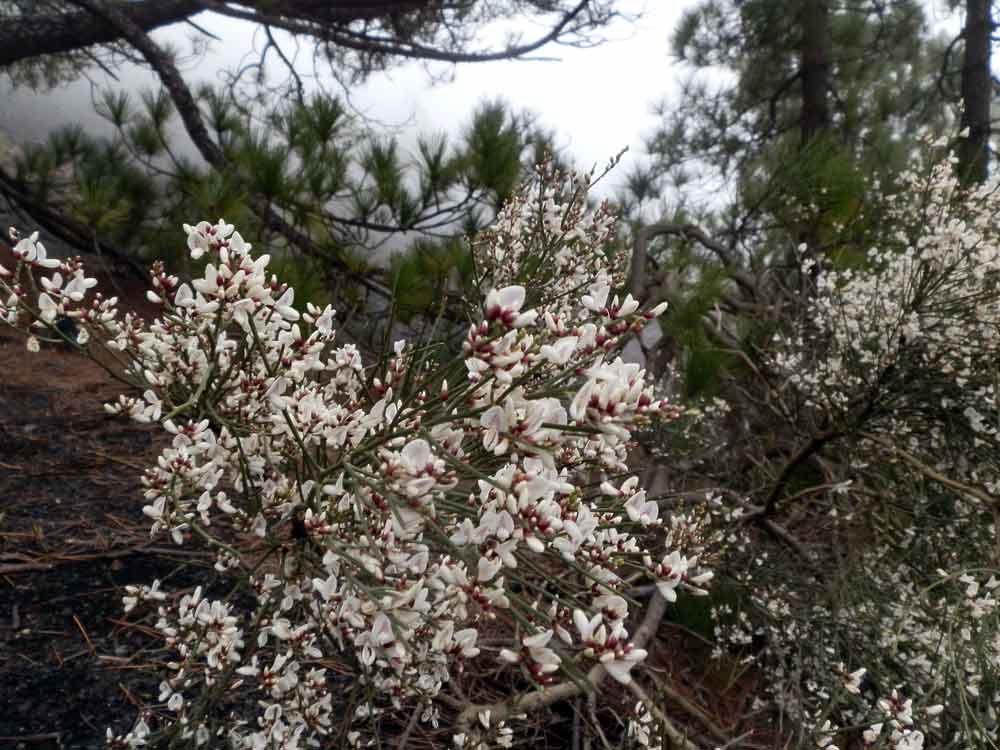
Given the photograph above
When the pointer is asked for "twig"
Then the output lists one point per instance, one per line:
(779, 532)
(4, 569)
(936, 476)
(577, 721)
(115, 459)
(676, 737)
(144, 629)
(90, 645)
(129, 697)
(693, 710)
(49, 562)
(689, 232)
(736, 740)
(809, 449)
(592, 708)
(404, 738)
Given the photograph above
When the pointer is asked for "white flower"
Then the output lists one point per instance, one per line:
(626, 308)
(597, 299)
(910, 740)
(872, 733)
(670, 571)
(32, 251)
(656, 311)
(48, 309)
(284, 305)
(544, 659)
(560, 352)
(204, 237)
(504, 305)
(619, 663)
(641, 510)
(488, 568)
(184, 297)
(588, 627)
(853, 681)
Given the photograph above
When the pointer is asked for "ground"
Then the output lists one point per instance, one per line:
(72, 535)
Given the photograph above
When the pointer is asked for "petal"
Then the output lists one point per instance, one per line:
(417, 454)
(538, 640)
(511, 297)
(619, 670)
(488, 568)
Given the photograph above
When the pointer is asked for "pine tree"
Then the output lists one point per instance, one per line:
(789, 113)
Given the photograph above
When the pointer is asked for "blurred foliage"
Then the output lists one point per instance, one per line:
(352, 190)
(424, 277)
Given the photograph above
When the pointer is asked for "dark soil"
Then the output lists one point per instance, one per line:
(72, 535)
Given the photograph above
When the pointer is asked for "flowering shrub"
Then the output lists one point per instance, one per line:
(389, 523)
(891, 378)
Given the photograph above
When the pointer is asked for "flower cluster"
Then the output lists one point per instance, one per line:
(895, 728)
(385, 516)
(919, 318)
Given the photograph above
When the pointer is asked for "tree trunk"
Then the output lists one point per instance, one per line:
(814, 119)
(814, 69)
(977, 90)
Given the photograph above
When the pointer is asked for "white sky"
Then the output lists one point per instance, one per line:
(597, 100)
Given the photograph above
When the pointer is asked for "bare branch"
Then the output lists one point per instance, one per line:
(645, 235)
(932, 474)
(369, 43)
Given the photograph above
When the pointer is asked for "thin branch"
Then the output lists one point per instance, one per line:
(690, 707)
(299, 88)
(932, 474)
(537, 700)
(404, 738)
(805, 452)
(676, 737)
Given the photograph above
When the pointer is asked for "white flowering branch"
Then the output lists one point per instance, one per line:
(528, 703)
(410, 512)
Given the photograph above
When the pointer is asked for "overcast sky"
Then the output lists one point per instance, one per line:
(597, 100)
